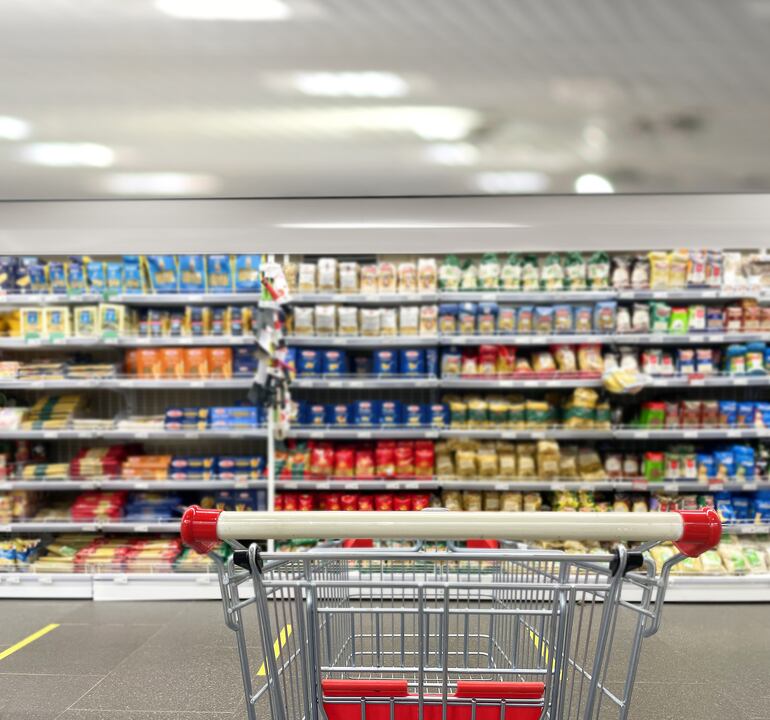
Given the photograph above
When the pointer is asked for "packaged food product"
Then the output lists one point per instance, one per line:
(409, 319)
(370, 322)
(428, 320)
(388, 321)
(563, 319)
(565, 358)
(678, 262)
(733, 318)
(605, 316)
(304, 320)
(486, 318)
(623, 320)
(575, 272)
(325, 320)
(728, 413)
(219, 273)
(148, 363)
(427, 275)
(678, 321)
(732, 270)
(590, 357)
(466, 318)
(506, 320)
(196, 362)
(349, 281)
(386, 277)
(542, 361)
(621, 272)
(525, 320)
(583, 319)
(599, 271)
(660, 317)
(489, 272)
(192, 274)
(543, 320)
(449, 274)
(334, 362)
(307, 278)
(552, 273)
(530, 273)
(510, 273)
(368, 279)
(327, 274)
(469, 279)
(659, 267)
(86, 321)
(407, 277)
(172, 362)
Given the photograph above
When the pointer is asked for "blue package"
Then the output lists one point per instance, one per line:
(390, 413)
(707, 468)
(163, 273)
(133, 279)
(725, 464)
(447, 318)
(57, 281)
(337, 414)
(686, 362)
(97, 279)
(8, 266)
(365, 413)
(76, 277)
(724, 506)
(309, 362)
(247, 273)
(767, 359)
(742, 506)
(438, 415)
(113, 271)
(192, 274)
(385, 362)
(762, 414)
(728, 413)
(431, 362)
(315, 414)
(362, 365)
(219, 273)
(244, 361)
(762, 505)
(412, 362)
(746, 412)
(38, 282)
(744, 461)
(413, 415)
(334, 362)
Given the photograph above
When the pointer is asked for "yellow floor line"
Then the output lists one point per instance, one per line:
(278, 645)
(27, 640)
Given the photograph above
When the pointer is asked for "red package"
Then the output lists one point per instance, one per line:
(402, 502)
(691, 413)
(672, 415)
(734, 318)
(424, 459)
(349, 501)
(279, 501)
(322, 459)
(344, 462)
(306, 502)
(329, 501)
(365, 502)
(487, 360)
(404, 458)
(290, 501)
(364, 463)
(420, 501)
(385, 458)
(383, 502)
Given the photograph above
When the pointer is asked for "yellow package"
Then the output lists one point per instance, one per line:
(478, 412)
(525, 459)
(532, 502)
(32, 322)
(506, 459)
(511, 502)
(452, 500)
(112, 319)
(547, 459)
(487, 460)
(465, 463)
(87, 321)
(568, 462)
(57, 321)
(491, 501)
(678, 266)
(471, 501)
(585, 398)
(658, 270)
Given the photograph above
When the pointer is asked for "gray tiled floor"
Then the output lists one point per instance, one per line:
(147, 661)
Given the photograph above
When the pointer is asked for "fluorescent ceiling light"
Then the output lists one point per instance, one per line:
(159, 183)
(452, 154)
(351, 84)
(589, 184)
(396, 225)
(13, 128)
(62, 154)
(254, 10)
(513, 181)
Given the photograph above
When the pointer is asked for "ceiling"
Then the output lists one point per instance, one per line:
(494, 96)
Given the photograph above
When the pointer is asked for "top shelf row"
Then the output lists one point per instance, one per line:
(157, 279)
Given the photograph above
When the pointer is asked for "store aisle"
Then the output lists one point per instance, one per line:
(174, 660)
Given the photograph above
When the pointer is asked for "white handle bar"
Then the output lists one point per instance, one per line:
(695, 530)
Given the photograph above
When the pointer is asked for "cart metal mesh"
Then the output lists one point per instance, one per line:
(420, 635)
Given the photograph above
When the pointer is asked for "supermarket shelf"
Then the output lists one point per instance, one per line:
(704, 338)
(550, 433)
(515, 296)
(155, 299)
(342, 383)
(62, 586)
(132, 434)
(63, 526)
(126, 384)
(159, 586)
(746, 528)
(363, 298)
(523, 382)
(358, 341)
(19, 343)
(359, 434)
(688, 295)
(76, 484)
(18, 300)
(700, 434)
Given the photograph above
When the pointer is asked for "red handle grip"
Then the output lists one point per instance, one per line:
(199, 528)
(701, 531)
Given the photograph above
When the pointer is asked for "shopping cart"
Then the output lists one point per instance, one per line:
(421, 634)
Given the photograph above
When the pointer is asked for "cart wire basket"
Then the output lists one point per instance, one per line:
(508, 633)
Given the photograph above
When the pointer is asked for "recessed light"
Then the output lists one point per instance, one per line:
(64, 154)
(13, 128)
(159, 183)
(593, 184)
(512, 181)
(351, 84)
(452, 154)
(253, 10)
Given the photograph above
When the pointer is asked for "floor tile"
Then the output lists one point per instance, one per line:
(40, 697)
(128, 613)
(31, 615)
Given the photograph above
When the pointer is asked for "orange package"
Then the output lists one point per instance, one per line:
(129, 362)
(172, 363)
(196, 362)
(221, 362)
(148, 363)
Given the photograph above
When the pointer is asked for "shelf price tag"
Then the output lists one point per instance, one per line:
(671, 487)
(716, 486)
(502, 486)
(141, 528)
(323, 486)
(639, 484)
(364, 434)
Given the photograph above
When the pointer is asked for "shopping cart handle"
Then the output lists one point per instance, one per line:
(692, 531)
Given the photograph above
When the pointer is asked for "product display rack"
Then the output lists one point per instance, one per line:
(200, 584)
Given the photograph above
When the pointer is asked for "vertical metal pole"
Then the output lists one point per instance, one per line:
(270, 469)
